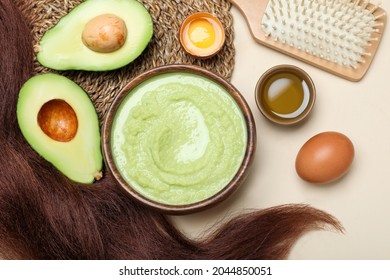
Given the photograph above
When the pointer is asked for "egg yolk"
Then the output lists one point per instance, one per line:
(201, 33)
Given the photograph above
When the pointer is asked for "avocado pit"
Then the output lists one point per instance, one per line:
(105, 33)
(58, 120)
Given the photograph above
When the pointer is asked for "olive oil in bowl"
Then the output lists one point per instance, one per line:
(285, 94)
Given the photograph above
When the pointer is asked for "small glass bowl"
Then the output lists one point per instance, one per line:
(288, 119)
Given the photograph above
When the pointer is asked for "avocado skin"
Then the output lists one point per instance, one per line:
(79, 159)
(62, 48)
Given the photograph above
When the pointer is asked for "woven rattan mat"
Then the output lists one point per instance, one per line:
(163, 49)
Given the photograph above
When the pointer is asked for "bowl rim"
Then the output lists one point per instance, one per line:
(293, 70)
(226, 191)
(195, 16)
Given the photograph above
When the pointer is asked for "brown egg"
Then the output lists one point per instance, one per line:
(105, 33)
(325, 157)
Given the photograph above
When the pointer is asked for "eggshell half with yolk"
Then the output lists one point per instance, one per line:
(202, 35)
(325, 157)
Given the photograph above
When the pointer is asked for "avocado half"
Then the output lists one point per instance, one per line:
(62, 47)
(45, 105)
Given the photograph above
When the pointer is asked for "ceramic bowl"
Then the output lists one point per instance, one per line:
(210, 201)
(281, 119)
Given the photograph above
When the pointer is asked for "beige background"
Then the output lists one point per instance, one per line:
(361, 200)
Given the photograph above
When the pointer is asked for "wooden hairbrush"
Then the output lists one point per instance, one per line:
(338, 36)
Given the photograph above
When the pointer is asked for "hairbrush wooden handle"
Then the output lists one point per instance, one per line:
(253, 11)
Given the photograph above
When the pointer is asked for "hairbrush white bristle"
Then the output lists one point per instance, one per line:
(339, 31)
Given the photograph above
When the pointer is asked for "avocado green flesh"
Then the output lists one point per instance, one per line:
(62, 48)
(79, 159)
(178, 138)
